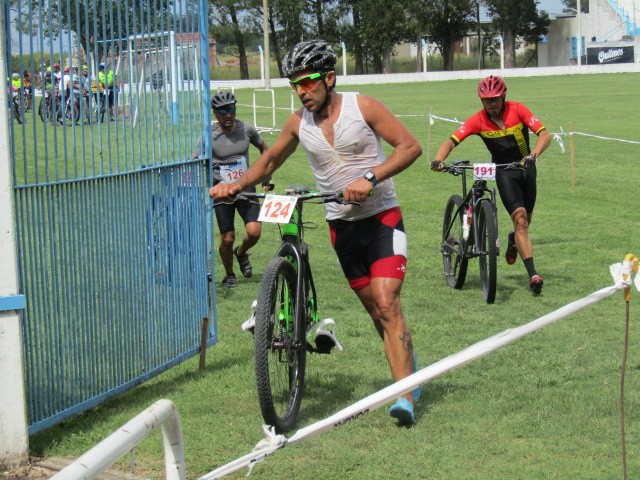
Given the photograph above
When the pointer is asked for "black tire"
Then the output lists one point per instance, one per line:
(453, 244)
(43, 111)
(488, 249)
(279, 347)
(18, 111)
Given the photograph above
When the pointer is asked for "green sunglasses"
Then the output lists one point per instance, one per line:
(307, 82)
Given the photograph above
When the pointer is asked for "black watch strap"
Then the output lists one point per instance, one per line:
(370, 176)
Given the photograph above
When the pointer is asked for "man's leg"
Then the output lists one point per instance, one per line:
(521, 222)
(251, 237)
(521, 226)
(226, 250)
(381, 299)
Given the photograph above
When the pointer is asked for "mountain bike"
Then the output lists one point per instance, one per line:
(18, 106)
(470, 227)
(286, 315)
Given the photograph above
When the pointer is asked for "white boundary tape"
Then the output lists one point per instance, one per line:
(622, 276)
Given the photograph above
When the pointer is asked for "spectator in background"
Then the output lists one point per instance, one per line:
(230, 141)
(107, 80)
(28, 88)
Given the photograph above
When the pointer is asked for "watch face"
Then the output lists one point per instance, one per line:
(369, 176)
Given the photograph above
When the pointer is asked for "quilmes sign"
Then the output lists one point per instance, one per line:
(604, 55)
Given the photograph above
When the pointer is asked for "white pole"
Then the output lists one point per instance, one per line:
(261, 62)
(501, 52)
(265, 34)
(163, 414)
(424, 57)
(344, 59)
(14, 441)
(174, 78)
(579, 42)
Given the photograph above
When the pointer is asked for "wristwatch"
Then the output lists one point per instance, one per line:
(371, 177)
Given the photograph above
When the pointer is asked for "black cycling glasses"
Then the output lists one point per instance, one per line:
(225, 111)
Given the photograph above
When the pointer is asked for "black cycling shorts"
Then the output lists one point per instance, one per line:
(517, 188)
(225, 214)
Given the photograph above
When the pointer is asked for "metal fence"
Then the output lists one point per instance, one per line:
(113, 221)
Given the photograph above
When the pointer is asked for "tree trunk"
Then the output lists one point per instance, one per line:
(386, 61)
(419, 52)
(319, 21)
(358, 51)
(447, 56)
(242, 50)
(509, 49)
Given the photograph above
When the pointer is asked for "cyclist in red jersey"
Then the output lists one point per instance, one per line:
(504, 128)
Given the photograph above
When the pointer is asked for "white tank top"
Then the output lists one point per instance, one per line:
(356, 150)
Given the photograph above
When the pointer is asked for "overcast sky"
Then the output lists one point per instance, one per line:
(552, 7)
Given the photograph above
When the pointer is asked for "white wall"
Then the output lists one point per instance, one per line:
(13, 415)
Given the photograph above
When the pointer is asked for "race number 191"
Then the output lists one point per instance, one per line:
(484, 171)
(277, 208)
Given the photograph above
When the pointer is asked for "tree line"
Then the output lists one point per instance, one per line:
(371, 29)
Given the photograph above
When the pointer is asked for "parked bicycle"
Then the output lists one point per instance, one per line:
(18, 106)
(470, 227)
(286, 321)
(45, 109)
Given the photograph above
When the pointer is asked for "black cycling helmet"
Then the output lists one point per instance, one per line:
(311, 55)
(221, 99)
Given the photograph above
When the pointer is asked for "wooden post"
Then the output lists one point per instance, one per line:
(572, 144)
(203, 341)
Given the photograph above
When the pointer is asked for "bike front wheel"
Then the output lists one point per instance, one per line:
(279, 346)
(488, 249)
(453, 244)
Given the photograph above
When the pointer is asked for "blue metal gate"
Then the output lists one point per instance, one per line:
(114, 224)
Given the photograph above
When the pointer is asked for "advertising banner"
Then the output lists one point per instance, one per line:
(606, 55)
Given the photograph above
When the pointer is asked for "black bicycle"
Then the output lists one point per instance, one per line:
(286, 315)
(18, 106)
(470, 227)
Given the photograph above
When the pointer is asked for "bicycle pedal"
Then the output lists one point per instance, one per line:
(250, 323)
(324, 337)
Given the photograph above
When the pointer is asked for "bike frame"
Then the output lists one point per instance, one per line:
(478, 193)
(294, 248)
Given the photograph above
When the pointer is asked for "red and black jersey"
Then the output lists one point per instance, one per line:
(508, 145)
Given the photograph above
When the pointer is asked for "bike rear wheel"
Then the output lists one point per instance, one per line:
(18, 110)
(279, 346)
(488, 249)
(453, 244)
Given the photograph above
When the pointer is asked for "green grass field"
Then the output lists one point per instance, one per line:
(545, 407)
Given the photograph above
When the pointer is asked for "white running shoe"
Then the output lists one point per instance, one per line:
(250, 323)
(323, 334)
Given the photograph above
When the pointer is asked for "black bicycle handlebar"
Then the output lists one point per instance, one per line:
(458, 166)
(302, 193)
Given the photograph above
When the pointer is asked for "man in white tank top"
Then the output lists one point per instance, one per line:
(342, 136)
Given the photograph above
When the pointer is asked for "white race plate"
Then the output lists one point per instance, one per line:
(484, 171)
(277, 208)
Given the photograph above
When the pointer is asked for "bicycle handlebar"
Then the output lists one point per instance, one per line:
(459, 166)
(302, 194)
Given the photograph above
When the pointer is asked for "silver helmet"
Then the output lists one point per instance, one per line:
(220, 99)
(310, 55)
